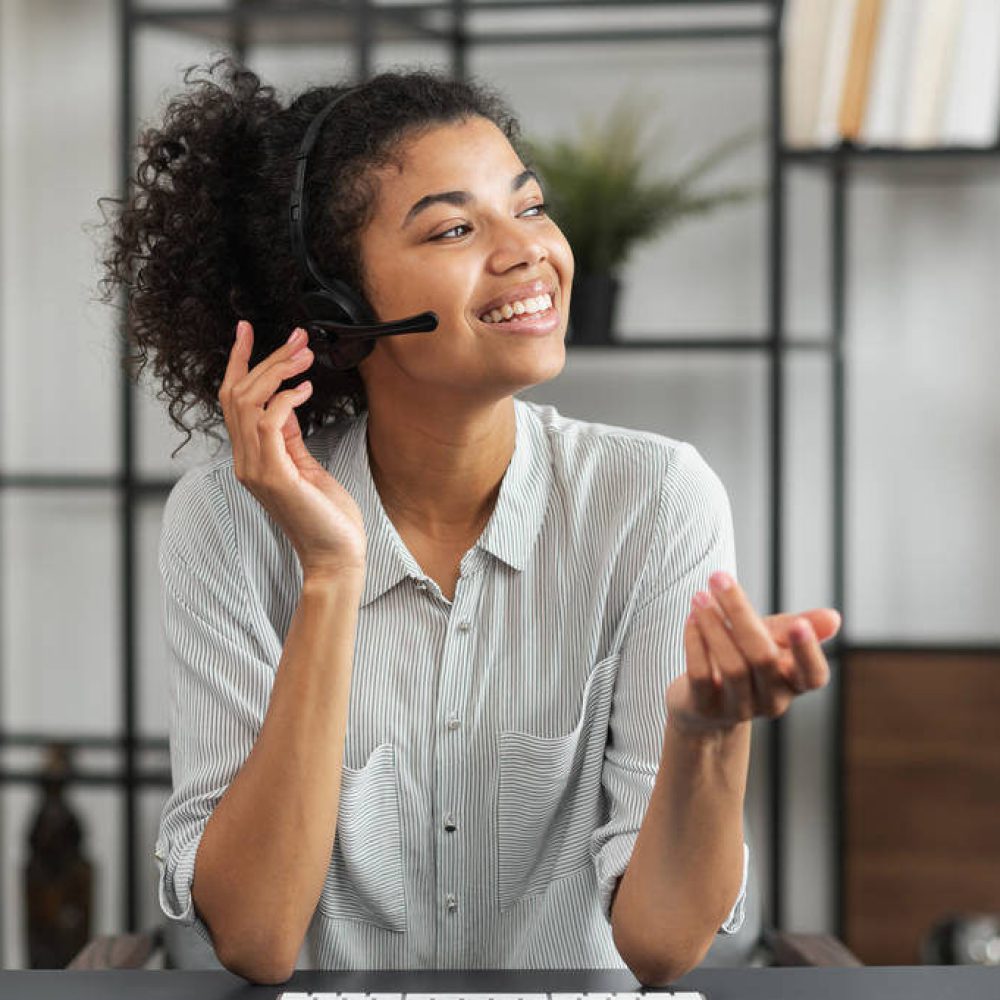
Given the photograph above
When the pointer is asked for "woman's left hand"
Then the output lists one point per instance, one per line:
(740, 666)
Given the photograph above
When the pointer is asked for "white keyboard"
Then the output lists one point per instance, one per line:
(652, 994)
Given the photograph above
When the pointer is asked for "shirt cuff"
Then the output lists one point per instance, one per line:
(611, 862)
(737, 914)
(176, 876)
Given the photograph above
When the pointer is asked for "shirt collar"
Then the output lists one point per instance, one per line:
(520, 510)
(510, 533)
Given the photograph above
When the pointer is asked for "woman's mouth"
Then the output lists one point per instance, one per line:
(531, 315)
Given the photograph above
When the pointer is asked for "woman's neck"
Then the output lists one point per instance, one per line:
(439, 473)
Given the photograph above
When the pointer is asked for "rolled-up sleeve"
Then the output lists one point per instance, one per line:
(221, 673)
(693, 538)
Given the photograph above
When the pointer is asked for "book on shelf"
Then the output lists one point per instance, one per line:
(891, 73)
(892, 63)
(804, 30)
(838, 52)
(857, 77)
(972, 104)
(933, 51)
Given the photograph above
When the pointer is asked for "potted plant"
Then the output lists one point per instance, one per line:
(602, 197)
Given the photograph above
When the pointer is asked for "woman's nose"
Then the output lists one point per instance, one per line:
(515, 244)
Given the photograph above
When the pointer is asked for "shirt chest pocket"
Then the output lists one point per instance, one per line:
(549, 799)
(365, 879)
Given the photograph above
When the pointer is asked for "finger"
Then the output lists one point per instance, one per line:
(294, 443)
(748, 631)
(236, 369)
(737, 693)
(704, 688)
(825, 622)
(770, 691)
(238, 364)
(297, 339)
(239, 357)
(811, 667)
(245, 393)
(271, 428)
(265, 379)
(251, 401)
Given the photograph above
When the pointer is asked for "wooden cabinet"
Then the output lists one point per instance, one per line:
(921, 776)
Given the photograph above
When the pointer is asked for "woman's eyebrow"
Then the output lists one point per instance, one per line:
(460, 198)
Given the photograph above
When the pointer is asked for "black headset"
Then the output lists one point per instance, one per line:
(336, 313)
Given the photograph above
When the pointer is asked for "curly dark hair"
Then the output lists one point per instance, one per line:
(202, 239)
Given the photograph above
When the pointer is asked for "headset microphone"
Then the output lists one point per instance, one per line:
(336, 313)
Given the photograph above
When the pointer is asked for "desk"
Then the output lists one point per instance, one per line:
(871, 983)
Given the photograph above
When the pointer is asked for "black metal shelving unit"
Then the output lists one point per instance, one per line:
(361, 24)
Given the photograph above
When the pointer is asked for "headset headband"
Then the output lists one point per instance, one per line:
(336, 312)
(297, 203)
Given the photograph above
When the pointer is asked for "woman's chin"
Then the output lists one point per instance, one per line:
(543, 369)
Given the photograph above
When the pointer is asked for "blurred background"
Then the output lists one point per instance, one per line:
(828, 339)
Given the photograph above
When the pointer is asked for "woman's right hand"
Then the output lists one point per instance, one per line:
(320, 518)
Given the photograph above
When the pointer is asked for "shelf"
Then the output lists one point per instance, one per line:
(114, 779)
(19, 768)
(83, 742)
(707, 343)
(481, 24)
(893, 153)
(909, 646)
(83, 482)
(306, 24)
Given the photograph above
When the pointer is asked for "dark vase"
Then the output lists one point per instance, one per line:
(58, 878)
(592, 308)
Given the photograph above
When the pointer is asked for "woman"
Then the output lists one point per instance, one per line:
(498, 651)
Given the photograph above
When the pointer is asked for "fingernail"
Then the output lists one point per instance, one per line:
(702, 600)
(296, 335)
(799, 630)
(721, 580)
(241, 328)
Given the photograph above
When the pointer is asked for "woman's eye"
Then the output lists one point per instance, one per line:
(441, 236)
(453, 233)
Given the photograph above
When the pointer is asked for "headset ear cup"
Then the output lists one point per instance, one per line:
(330, 306)
(337, 353)
(337, 306)
(345, 354)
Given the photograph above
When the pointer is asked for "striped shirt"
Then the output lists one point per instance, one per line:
(501, 747)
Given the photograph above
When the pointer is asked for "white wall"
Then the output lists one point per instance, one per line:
(924, 466)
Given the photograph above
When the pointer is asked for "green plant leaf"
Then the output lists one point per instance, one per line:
(599, 192)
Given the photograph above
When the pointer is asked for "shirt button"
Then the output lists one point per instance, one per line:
(453, 723)
(451, 901)
(464, 626)
(158, 854)
(421, 585)
(449, 823)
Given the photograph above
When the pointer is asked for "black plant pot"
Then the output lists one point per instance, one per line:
(592, 308)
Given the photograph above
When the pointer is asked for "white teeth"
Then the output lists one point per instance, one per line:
(520, 307)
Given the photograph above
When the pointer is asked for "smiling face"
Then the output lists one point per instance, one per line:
(460, 229)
